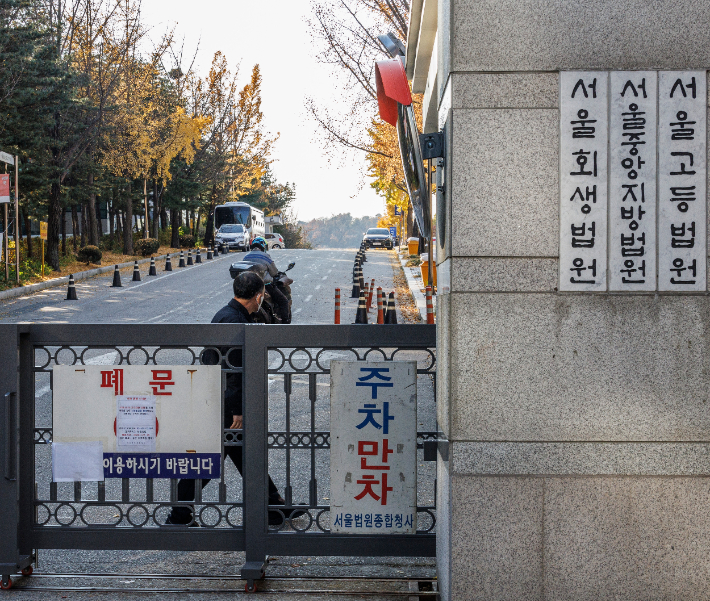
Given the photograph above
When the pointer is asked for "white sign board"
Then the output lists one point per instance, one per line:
(656, 129)
(682, 159)
(583, 180)
(373, 447)
(151, 421)
(632, 181)
(7, 158)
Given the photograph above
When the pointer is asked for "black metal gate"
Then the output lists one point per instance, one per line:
(286, 434)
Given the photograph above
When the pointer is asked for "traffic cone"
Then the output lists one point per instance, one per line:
(152, 270)
(429, 306)
(198, 258)
(71, 291)
(189, 257)
(168, 263)
(337, 306)
(361, 315)
(116, 278)
(384, 307)
(380, 315)
(391, 311)
(366, 289)
(209, 253)
(356, 285)
(182, 259)
(136, 272)
(371, 291)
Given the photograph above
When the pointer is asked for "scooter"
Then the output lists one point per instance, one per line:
(267, 312)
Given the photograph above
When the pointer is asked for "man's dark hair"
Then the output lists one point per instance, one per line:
(247, 285)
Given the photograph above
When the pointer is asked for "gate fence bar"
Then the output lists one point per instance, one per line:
(128, 513)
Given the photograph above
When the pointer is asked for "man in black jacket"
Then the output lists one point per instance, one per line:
(248, 296)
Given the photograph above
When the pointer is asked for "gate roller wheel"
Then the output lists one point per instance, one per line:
(6, 585)
(27, 571)
(250, 588)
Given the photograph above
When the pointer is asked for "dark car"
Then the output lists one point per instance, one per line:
(378, 237)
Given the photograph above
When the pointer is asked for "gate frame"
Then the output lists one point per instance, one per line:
(19, 534)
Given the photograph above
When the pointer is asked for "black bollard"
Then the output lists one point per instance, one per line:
(198, 258)
(391, 311)
(152, 270)
(356, 285)
(182, 259)
(168, 263)
(361, 315)
(209, 253)
(136, 272)
(116, 278)
(71, 291)
(189, 257)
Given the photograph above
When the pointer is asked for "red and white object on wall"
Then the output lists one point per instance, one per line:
(4, 187)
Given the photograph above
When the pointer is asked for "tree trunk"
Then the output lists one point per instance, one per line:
(175, 223)
(209, 226)
(157, 210)
(64, 231)
(111, 217)
(196, 232)
(54, 225)
(74, 226)
(84, 225)
(93, 226)
(128, 225)
(28, 226)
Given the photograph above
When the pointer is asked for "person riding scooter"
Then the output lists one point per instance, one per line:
(258, 254)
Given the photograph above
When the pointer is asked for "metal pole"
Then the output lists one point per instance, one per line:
(7, 233)
(17, 219)
(430, 268)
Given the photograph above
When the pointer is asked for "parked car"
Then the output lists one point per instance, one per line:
(275, 241)
(232, 235)
(378, 237)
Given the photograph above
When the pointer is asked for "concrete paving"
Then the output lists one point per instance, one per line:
(193, 295)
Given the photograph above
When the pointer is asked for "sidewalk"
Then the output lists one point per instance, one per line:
(415, 283)
(81, 275)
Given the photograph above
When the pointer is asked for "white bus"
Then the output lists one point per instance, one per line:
(241, 213)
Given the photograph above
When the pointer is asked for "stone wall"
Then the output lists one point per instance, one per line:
(578, 424)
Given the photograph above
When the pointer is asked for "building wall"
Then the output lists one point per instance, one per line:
(578, 424)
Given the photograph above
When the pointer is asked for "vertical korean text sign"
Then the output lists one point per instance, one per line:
(373, 451)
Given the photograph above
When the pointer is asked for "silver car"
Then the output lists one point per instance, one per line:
(232, 235)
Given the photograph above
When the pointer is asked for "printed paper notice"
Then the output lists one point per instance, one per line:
(135, 424)
(77, 461)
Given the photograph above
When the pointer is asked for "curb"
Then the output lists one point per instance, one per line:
(82, 275)
(415, 287)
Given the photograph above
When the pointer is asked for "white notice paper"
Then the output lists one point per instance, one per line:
(135, 423)
(77, 461)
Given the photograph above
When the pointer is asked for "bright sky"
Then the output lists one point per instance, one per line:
(274, 34)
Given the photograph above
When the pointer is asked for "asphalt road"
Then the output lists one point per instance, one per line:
(194, 294)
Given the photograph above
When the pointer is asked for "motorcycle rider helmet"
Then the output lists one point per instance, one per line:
(259, 243)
